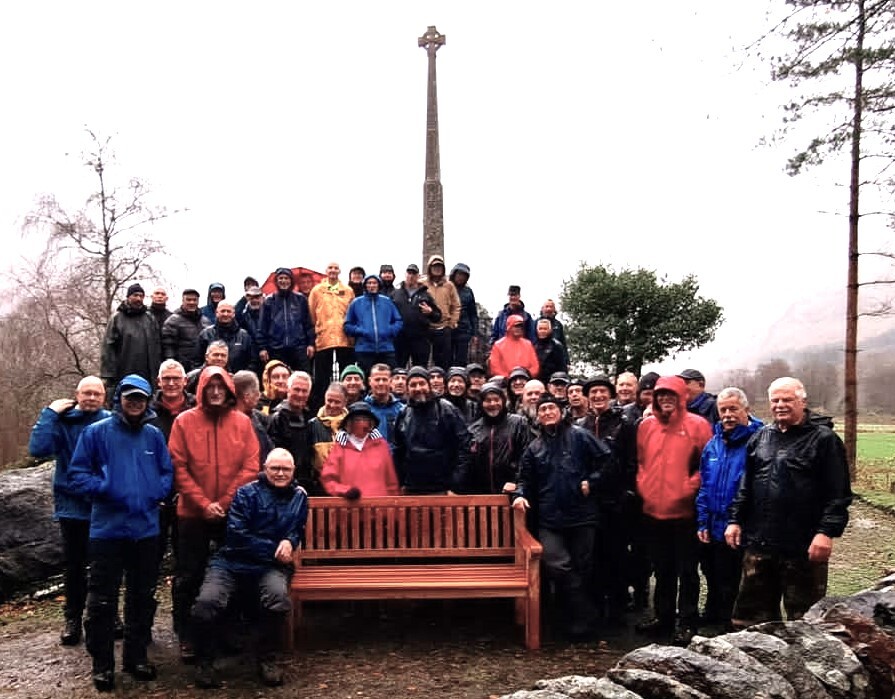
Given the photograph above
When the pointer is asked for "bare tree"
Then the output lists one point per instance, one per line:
(108, 239)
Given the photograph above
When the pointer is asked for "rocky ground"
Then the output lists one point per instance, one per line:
(432, 649)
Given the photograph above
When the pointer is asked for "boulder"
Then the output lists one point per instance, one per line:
(878, 605)
(652, 685)
(776, 654)
(715, 678)
(582, 687)
(872, 646)
(535, 694)
(30, 543)
(828, 658)
(719, 649)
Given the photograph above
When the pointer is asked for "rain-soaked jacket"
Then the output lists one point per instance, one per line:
(668, 455)
(213, 454)
(795, 485)
(124, 469)
(373, 321)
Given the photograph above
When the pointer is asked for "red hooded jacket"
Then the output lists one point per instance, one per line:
(213, 455)
(668, 456)
(510, 352)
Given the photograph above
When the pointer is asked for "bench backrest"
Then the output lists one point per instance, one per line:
(420, 527)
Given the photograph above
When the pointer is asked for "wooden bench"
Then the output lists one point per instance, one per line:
(419, 547)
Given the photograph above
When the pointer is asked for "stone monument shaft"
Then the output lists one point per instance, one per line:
(433, 200)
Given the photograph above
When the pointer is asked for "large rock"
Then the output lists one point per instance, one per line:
(583, 687)
(535, 694)
(878, 605)
(872, 646)
(715, 678)
(30, 544)
(652, 685)
(828, 658)
(776, 654)
(719, 649)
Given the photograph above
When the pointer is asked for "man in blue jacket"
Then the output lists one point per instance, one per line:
(55, 434)
(720, 470)
(265, 524)
(122, 465)
(287, 331)
(374, 322)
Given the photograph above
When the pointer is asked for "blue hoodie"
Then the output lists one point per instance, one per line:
(125, 470)
(374, 321)
(723, 461)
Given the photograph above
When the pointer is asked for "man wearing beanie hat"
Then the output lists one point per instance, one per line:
(457, 385)
(387, 275)
(498, 441)
(642, 404)
(514, 306)
(132, 342)
(562, 474)
(431, 441)
(287, 331)
(352, 379)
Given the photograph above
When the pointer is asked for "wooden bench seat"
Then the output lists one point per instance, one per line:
(419, 547)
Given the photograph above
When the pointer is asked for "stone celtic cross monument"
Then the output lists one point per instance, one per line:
(433, 202)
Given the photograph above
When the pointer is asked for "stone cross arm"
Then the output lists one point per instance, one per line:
(432, 40)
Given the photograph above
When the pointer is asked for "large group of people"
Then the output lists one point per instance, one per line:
(365, 389)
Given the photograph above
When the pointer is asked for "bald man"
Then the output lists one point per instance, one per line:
(55, 435)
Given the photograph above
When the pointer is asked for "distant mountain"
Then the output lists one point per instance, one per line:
(817, 325)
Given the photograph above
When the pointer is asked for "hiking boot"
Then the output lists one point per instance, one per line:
(654, 627)
(71, 633)
(104, 680)
(207, 676)
(187, 653)
(119, 628)
(270, 673)
(144, 672)
(682, 636)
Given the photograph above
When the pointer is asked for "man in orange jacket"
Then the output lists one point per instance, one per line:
(669, 448)
(215, 451)
(513, 350)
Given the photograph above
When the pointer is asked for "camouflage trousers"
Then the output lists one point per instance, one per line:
(769, 578)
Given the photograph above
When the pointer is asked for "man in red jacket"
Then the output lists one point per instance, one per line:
(669, 447)
(215, 451)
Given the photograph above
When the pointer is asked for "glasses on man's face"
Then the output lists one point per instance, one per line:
(279, 469)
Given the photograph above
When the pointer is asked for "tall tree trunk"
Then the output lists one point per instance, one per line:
(851, 299)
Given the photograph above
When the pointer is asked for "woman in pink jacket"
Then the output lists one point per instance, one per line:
(360, 462)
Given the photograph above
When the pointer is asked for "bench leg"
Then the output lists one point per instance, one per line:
(520, 614)
(533, 610)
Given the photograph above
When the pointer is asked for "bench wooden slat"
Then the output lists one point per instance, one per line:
(416, 547)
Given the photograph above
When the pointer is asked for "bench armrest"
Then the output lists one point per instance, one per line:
(528, 549)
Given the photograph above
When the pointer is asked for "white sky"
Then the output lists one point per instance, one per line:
(570, 131)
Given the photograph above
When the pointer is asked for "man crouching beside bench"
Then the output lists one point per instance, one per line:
(265, 524)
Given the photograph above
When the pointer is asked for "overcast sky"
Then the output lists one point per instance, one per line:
(570, 132)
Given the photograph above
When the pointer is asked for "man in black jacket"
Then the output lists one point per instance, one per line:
(418, 311)
(498, 441)
(431, 441)
(180, 333)
(792, 501)
(562, 473)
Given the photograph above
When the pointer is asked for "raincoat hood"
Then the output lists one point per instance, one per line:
(267, 388)
(676, 385)
(207, 374)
